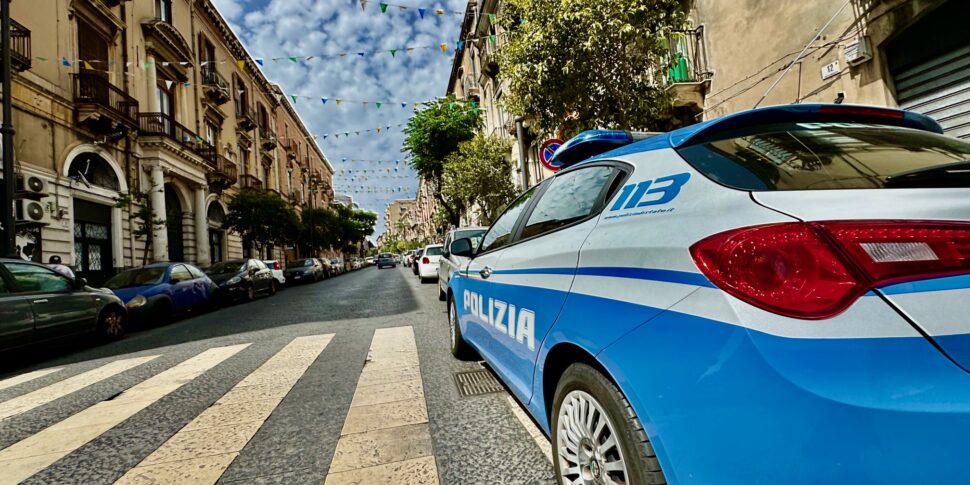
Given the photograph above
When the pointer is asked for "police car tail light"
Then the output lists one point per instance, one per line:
(790, 269)
(425, 260)
(816, 270)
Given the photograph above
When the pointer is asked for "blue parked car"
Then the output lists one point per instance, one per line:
(158, 291)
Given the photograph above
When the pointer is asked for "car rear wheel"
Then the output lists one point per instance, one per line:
(273, 287)
(596, 434)
(459, 348)
(111, 324)
(250, 293)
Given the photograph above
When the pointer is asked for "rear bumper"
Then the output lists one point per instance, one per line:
(427, 271)
(726, 404)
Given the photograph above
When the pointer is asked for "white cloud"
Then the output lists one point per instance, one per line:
(283, 28)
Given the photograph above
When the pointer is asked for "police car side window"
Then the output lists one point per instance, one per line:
(501, 231)
(571, 197)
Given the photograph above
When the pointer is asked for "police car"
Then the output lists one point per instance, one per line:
(777, 296)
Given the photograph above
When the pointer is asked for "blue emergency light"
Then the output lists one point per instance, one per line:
(594, 142)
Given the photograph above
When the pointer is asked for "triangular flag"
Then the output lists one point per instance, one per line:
(259, 60)
(242, 64)
(439, 11)
(324, 100)
(168, 84)
(203, 64)
(383, 7)
(444, 47)
(294, 60)
(461, 44)
(491, 18)
(338, 101)
(87, 66)
(378, 103)
(404, 105)
(491, 38)
(473, 103)
(165, 64)
(393, 51)
(361, 54)
(294, 97)
(421, 12)
(363, 4)
(325, 136)
(148, 64)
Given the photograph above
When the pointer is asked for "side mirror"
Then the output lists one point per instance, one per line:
(462, 247)
(80, 282)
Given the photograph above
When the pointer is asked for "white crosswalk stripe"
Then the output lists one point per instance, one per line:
(29, 376)
(31, 455)
(70, 385)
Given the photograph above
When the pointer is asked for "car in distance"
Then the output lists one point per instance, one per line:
(277, 269)
(385, 259)
(428, 262)
(303, 271)
(327, 267)
(157, 292)
(369, 261)
(242, 279)
(37, 304)
(790, 283)
(449, 263)
(337, 266)
(415, 259)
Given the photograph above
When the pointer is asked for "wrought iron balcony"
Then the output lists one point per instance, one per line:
(223, 175)
(688, 76)
(267, 138)
(214, 86)
(162, 124)
(19, 46)
(250, 182)
(245, 118)
(102, 106)
(290, 146)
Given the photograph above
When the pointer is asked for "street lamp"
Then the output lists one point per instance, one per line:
(7, 223)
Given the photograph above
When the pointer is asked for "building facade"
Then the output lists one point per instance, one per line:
(156, 96)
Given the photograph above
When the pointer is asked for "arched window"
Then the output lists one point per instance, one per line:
(91, 169)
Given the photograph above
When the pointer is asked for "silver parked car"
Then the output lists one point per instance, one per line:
(449, 263)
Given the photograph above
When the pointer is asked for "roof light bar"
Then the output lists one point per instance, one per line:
(590, 143)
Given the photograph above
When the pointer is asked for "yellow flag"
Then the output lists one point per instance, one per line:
(338, 101)
(87, 66)
(242, 64)
(439, 11)
(444, 47)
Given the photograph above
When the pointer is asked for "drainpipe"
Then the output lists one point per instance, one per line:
(524, 169)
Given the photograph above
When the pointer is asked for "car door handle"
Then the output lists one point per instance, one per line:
(42, 300)
(485, 272)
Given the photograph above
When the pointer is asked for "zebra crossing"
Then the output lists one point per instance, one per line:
(385, 437)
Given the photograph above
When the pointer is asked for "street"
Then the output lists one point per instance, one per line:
(349, 380)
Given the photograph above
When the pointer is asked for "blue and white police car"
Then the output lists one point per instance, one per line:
(777, 296)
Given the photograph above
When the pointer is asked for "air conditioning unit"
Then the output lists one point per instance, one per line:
(31, 212)
(858, 51)
(31, 184)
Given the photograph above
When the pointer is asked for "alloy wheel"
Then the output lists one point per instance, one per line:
(114, 324)
(588, 448)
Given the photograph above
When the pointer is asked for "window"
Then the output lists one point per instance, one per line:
(211, 133)
(34, 278)
(180, 273)
(570, 197)
(166, 99)
(501, 231)
(163, 10)
(196, 272)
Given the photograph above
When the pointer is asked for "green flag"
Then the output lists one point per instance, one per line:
(383, 8)
(378, 103)
(294, 97)
(393, 51)
(491, 18)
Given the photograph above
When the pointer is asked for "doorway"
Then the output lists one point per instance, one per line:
(92, 241)
(173, 219)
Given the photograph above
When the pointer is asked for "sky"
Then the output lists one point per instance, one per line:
(324, 29)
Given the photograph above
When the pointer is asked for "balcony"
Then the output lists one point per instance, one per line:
(290, 147)
(688, 77)
(101, 106)
(223, 175)
(250, 182)
(19, 47)
(164, 125)
(214, 86)
(267, 138)
(245, 118)
(470, 88)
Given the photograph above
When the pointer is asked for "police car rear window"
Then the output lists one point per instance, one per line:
(816, 156)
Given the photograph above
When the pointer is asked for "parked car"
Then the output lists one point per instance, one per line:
(37, 304)
(415, 258)
(428, 264)
(449, 263)
(408, 258)
(242, 279)
(157, 292)
(277, 269)
(303, 271)
(385, 259)
(337, 265)
(327, 267)
(369, 261)
(802, 269)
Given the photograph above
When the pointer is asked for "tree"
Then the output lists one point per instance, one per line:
(319, 229)
(352, 226)
(262, 218)
(142, 216)
(479, 173)
(434, 133)
(574, 64)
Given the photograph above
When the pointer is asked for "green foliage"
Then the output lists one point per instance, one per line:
(480, 173)
(434, 133)
(574, 64)
(319, 229)
(144, 222)
(352, 227)
(262, 218)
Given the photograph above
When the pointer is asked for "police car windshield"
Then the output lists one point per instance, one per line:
(815, 156)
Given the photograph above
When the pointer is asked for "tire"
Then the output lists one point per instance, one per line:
(442, 296)
(250, 293)
(459, 348)
(161, 313)
(273, 287)
(583, 390)
(111, 324)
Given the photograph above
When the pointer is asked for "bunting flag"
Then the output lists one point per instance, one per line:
(383, 7)
(491, 18)
(444, 47)
(259, 60)
(87, 66)
(242, 64)
(421, 10)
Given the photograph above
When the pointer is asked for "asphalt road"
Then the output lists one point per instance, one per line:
(346, 381)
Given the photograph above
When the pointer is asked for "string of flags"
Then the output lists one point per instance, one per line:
(360, 160)
(421, 11)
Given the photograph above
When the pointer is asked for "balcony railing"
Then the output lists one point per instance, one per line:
(245, 118)
(214, 85)
(162, 124)
(688, 57)
(290, 146)
(267, 138)
(250, 182)
(224, 174)
(19, 46)
(93, 90)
